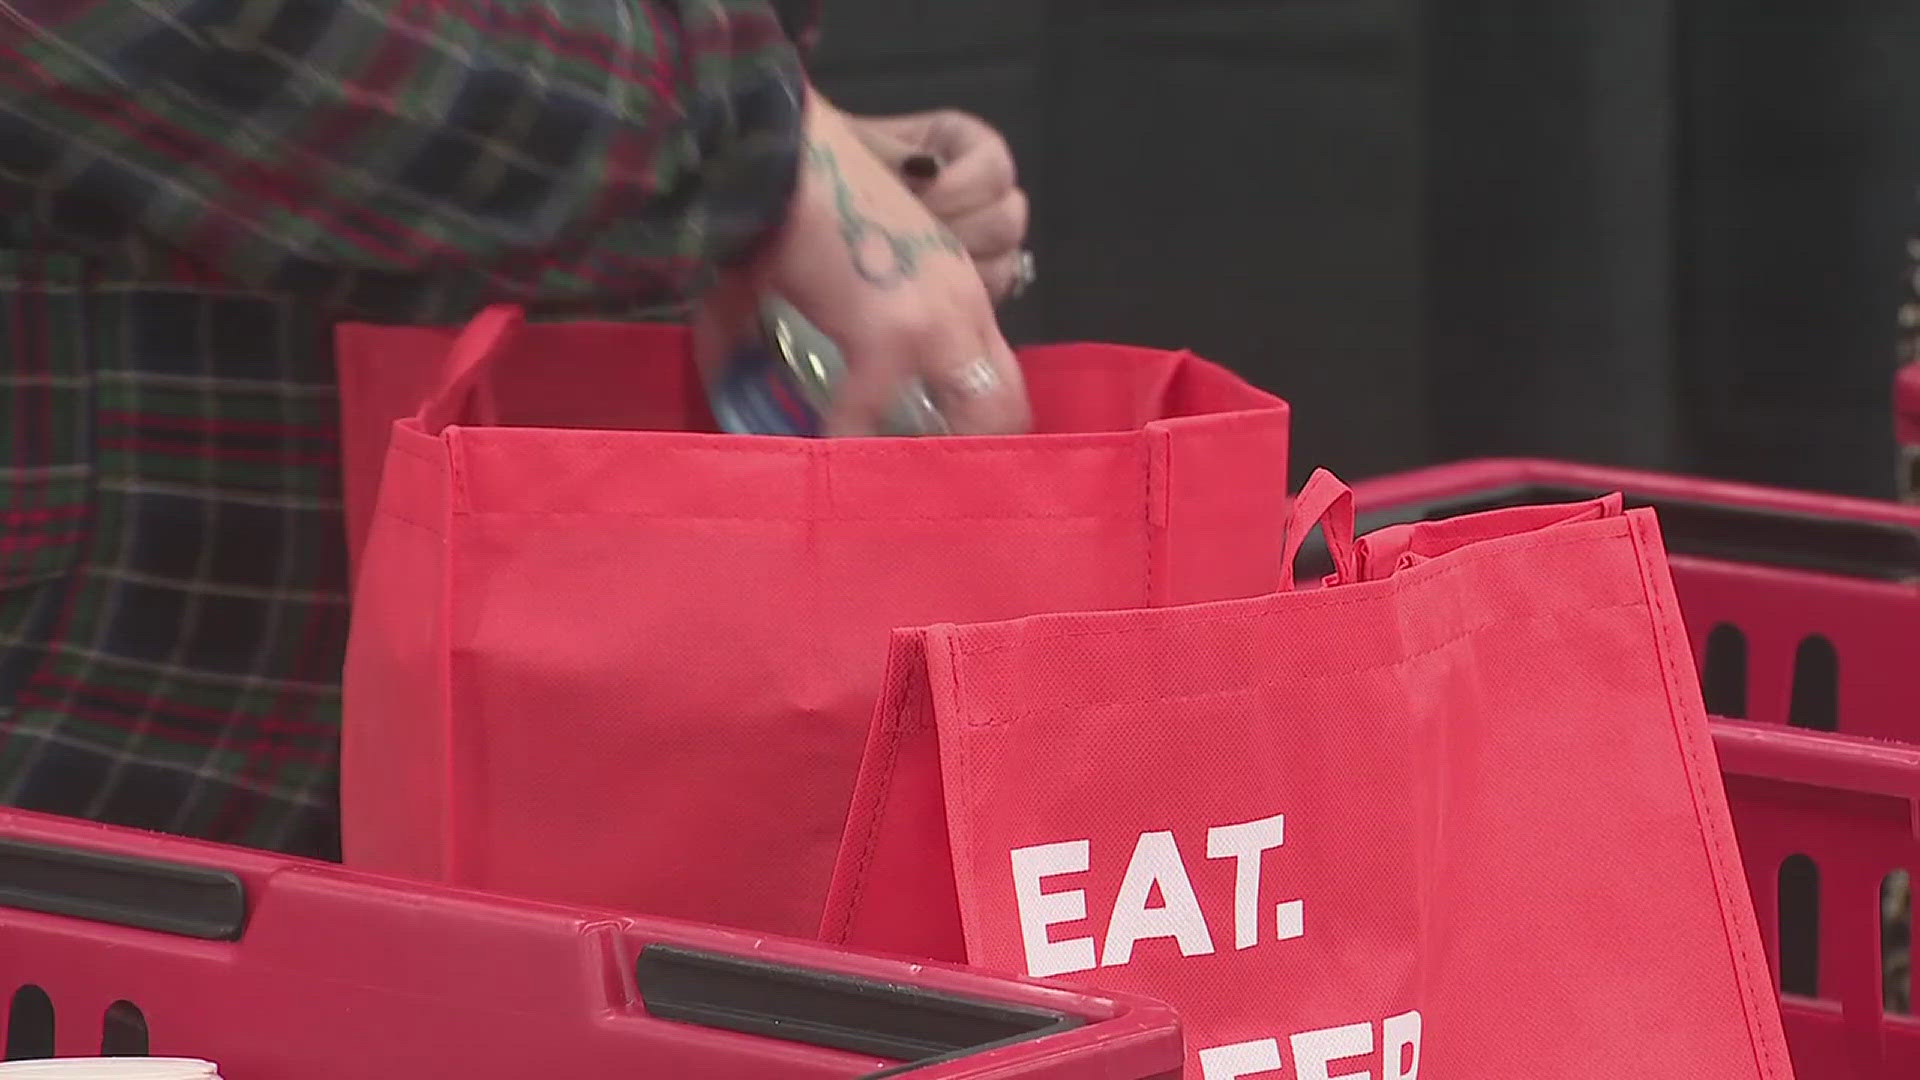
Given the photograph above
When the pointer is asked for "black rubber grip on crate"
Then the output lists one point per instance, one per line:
(147, 894)
(1870, 550)
(896, 1021)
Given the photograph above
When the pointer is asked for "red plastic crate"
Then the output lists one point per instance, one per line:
(282, 970)
(1847, 811)
(1907, 430)
(1804, 612)
(1803, 609)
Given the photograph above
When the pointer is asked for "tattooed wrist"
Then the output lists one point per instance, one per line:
(882, 256)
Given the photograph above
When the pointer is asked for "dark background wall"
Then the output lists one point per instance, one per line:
(1644, 232)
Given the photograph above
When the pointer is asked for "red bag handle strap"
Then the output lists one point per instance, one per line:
(1328, 503)
(462, 383)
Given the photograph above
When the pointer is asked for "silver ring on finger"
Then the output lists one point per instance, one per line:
(977, 378)
(1024, 274)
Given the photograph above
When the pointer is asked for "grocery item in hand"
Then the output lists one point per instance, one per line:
(784, 380)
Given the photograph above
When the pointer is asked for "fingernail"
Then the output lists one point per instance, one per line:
(921, 166)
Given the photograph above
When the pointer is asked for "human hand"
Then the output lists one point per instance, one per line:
(964, 172)
(867, 264)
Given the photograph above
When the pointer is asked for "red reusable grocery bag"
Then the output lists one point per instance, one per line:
(634, 668)
(1455, 815)
(570, 375)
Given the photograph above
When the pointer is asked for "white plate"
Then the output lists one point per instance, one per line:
(126, 1068)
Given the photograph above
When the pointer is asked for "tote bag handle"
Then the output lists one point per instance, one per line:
(462, 390)
(1327, 502)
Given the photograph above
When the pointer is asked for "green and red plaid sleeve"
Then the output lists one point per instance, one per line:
(410, 158)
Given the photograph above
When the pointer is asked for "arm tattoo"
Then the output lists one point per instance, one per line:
(883, 257)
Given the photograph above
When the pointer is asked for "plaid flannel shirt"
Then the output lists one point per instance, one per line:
(191, 192)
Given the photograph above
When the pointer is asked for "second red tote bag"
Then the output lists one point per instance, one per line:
(1456, 815)
(632, 663)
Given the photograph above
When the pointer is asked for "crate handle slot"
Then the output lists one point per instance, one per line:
(146, 894)
(828, 1009)
(1759, 536)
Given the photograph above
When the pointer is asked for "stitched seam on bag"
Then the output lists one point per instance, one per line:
(1691, 753)
(1325, 600)
(1323, 676)
(890, 735)
(960, 826)
(404, 449)
(1146, 519)
(457, 474)
(431, 530)
(1085, 442)
(890, 756)
(673, 515)
(454, 852)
